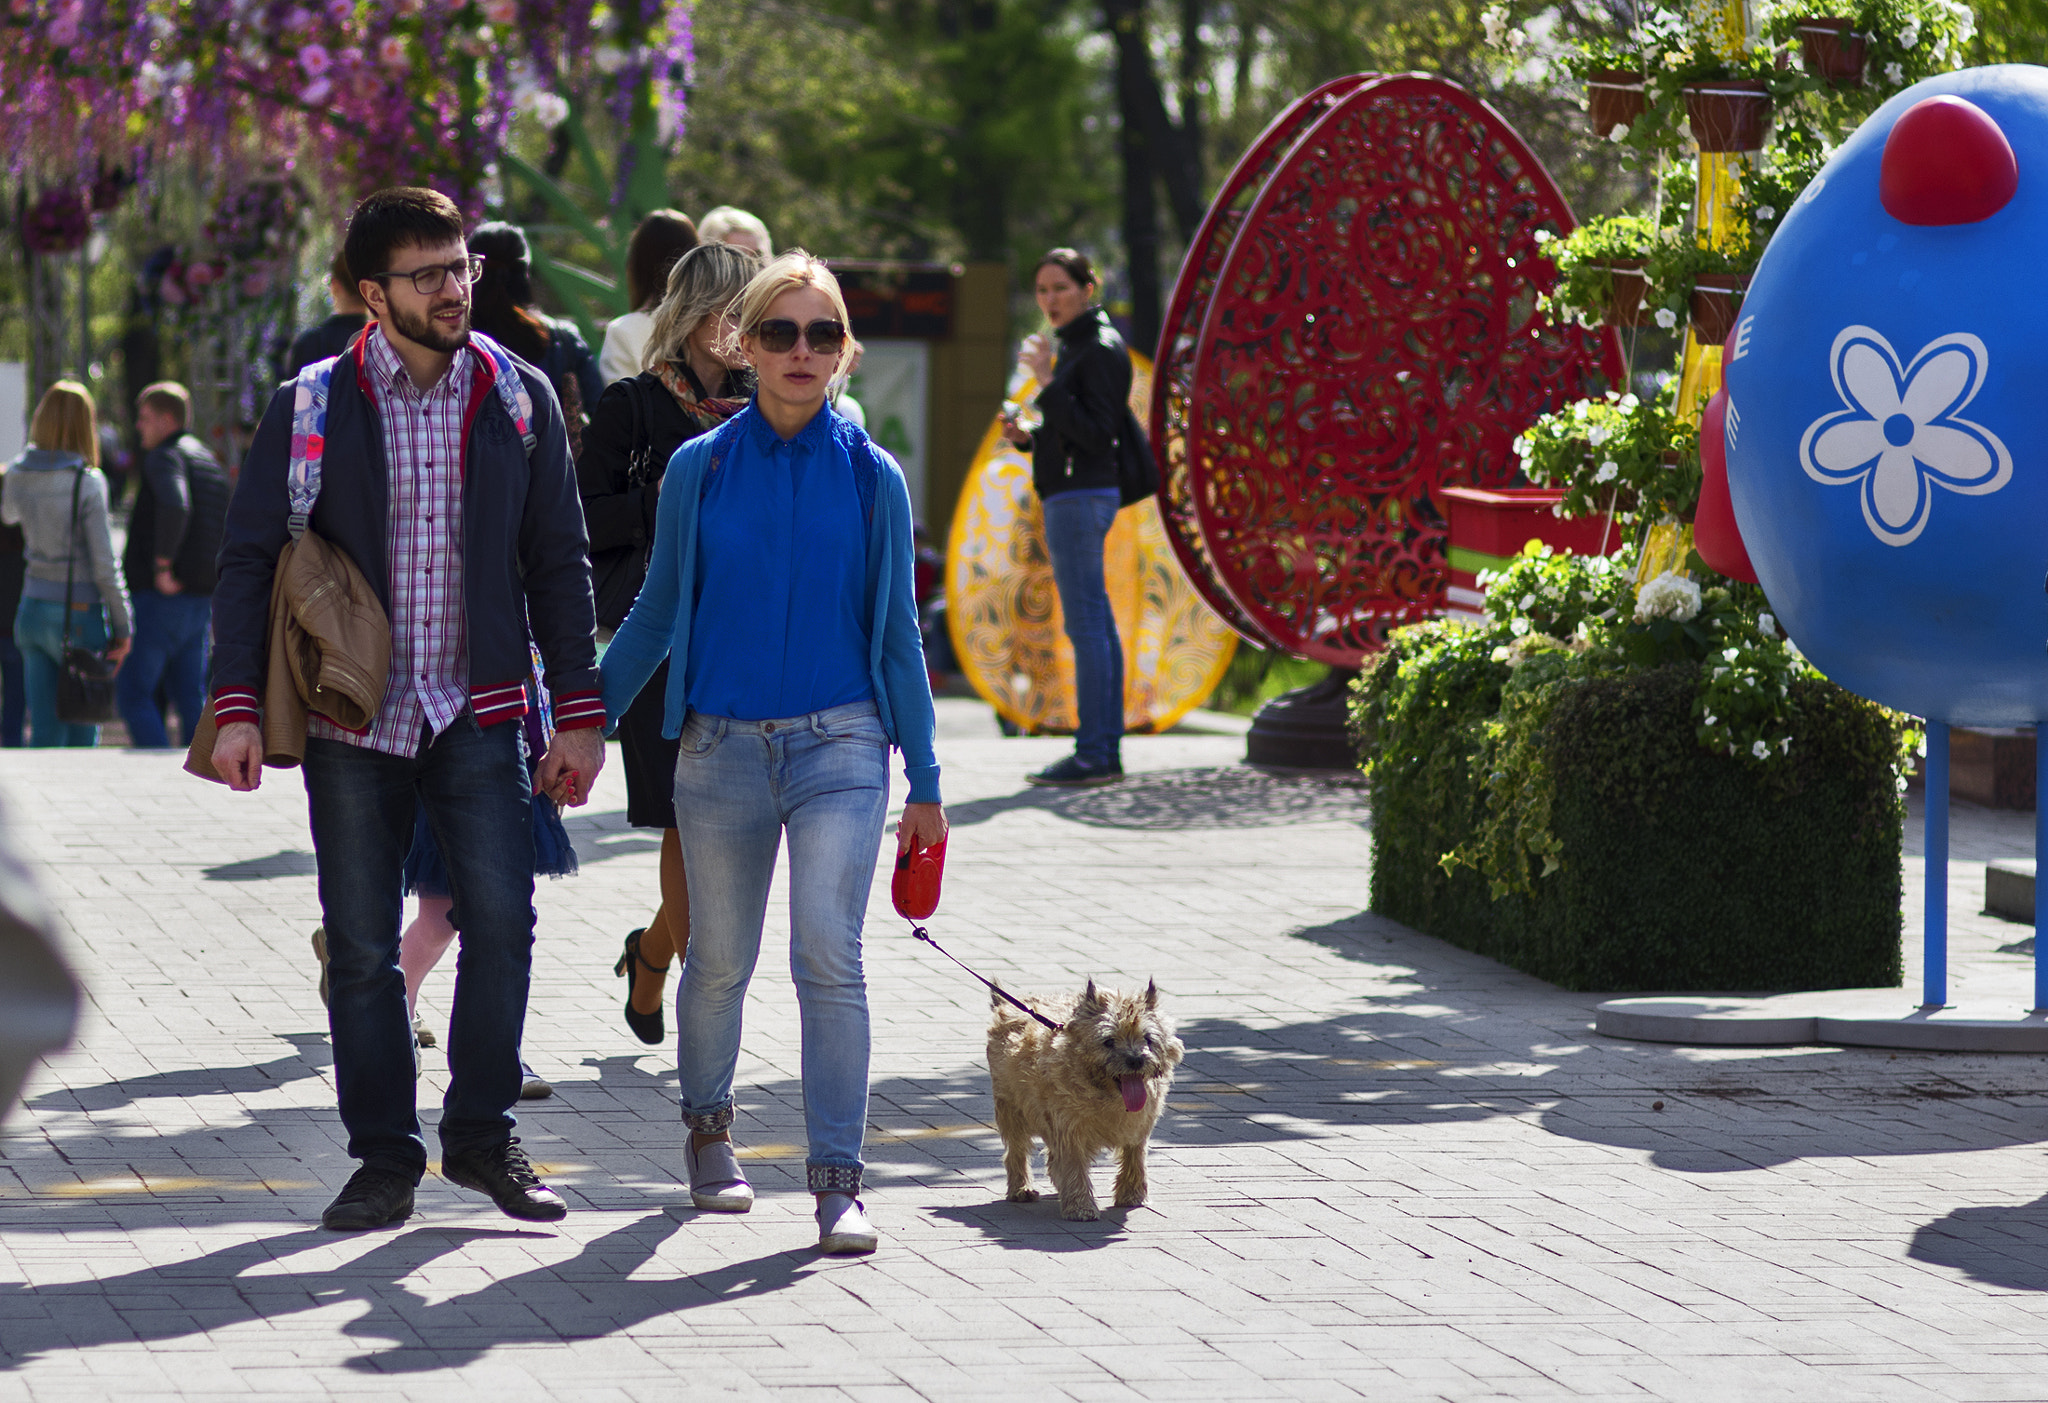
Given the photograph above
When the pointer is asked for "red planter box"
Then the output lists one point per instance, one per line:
(1491, 525)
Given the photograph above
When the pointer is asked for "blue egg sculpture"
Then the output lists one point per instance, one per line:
(1887, 422)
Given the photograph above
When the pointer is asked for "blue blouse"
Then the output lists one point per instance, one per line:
(781, 576)
(661, 624)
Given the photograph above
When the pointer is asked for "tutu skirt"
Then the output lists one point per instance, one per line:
(553, 854)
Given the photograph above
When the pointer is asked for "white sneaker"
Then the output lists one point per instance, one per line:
(532, 1085)
(843, 1226)
(716, 1184)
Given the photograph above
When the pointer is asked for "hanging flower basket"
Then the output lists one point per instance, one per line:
(56, 223)
(1834, 52)
(1715, 298)
(1614, 99)
(1728, 114)
(1631, 291)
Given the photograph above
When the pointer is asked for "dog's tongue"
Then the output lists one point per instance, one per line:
(1133, 1089)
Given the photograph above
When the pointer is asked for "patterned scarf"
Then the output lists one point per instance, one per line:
(708, 413)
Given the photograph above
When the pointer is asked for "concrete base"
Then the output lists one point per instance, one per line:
(1848, 1017)
(2009, 890)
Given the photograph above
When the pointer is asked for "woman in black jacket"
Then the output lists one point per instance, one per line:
(501, 307)
(1074, 469)
(694, 381)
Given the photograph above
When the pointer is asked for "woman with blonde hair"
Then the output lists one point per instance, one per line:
(727, 225)
(694, 380)
(73, 595)
(781, 591)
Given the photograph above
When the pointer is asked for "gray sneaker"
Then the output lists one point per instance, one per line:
(716, 1184)
(843, 1226)
(532, 1085)
(320, 954)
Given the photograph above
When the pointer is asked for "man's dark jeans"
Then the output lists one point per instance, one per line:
(472, 784)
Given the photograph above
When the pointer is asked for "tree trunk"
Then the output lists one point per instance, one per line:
(1140, 98)
(1192, 63)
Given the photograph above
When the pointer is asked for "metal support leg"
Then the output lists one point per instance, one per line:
(2040, 847)
(1935, 956)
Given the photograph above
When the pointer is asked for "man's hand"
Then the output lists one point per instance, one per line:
(238, 755)
(118, 649)
(581, 750)
(166, 582)
(923, 823)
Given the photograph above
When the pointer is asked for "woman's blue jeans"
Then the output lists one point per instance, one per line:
(1076, 525)
(39, 633)
(739, 785)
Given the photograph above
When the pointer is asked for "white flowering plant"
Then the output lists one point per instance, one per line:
(1617, 454)
(1906, 41)
(1585, 260)
(1547, 592)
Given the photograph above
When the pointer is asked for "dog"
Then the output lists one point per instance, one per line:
(1097, 1084)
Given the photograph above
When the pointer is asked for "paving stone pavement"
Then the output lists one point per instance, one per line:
(1390, 1170)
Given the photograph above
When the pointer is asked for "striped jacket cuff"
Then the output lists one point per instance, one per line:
(233, 704)
(577, 711)
(493, 705)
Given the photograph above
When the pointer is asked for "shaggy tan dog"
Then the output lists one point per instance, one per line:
(1097, 1084)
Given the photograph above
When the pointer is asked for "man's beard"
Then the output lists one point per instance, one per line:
(425, 331)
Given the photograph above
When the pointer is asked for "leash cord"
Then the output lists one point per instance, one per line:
(994, 988)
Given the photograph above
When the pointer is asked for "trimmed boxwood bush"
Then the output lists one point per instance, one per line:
(1556, 810)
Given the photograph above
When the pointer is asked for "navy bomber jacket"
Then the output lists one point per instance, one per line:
(524, 553)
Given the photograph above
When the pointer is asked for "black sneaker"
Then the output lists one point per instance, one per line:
(372, 1198)
(1070, 773)
(504, 1173)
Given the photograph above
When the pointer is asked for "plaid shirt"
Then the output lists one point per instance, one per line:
(423, 447)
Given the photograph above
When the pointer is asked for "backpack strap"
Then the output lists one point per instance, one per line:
(512, 392)
(309, 441)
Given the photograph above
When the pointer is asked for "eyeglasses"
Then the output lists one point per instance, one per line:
(826, 338)
(431, 279)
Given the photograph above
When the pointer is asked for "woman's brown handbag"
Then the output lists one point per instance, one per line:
(85, 679)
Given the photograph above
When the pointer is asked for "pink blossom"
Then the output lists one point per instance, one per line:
(391, 51)
(501, 11)
(64, 28)
(316, 92)
(315, 60)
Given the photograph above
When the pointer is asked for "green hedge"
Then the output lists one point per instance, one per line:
(1569, 822)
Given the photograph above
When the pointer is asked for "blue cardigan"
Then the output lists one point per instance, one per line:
(659, 625)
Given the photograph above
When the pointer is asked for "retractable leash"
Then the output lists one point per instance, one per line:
(915, 891)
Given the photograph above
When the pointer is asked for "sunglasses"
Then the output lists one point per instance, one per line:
(778, 336)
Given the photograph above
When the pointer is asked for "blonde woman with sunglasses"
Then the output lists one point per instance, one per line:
(781, 591)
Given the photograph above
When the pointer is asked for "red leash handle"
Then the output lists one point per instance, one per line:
(919, 874)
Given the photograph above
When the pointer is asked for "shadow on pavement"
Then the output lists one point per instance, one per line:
(1168, 801)
(2000, 1245)
(588, 1296)
(291, 862)
(1038, 1227)
(311, 1059)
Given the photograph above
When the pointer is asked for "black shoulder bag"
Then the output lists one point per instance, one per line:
(1137, 472)
(85, 681)
(622, 570)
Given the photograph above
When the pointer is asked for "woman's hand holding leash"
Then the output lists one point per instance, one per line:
(923, 824)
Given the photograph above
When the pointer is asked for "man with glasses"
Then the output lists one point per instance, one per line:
(470, 538)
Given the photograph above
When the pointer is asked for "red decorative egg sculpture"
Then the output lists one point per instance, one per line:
(1372, 335)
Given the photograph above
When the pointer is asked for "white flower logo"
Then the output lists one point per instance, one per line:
(1900, 436)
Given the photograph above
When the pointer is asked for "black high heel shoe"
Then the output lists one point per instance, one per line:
(646, 1026)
